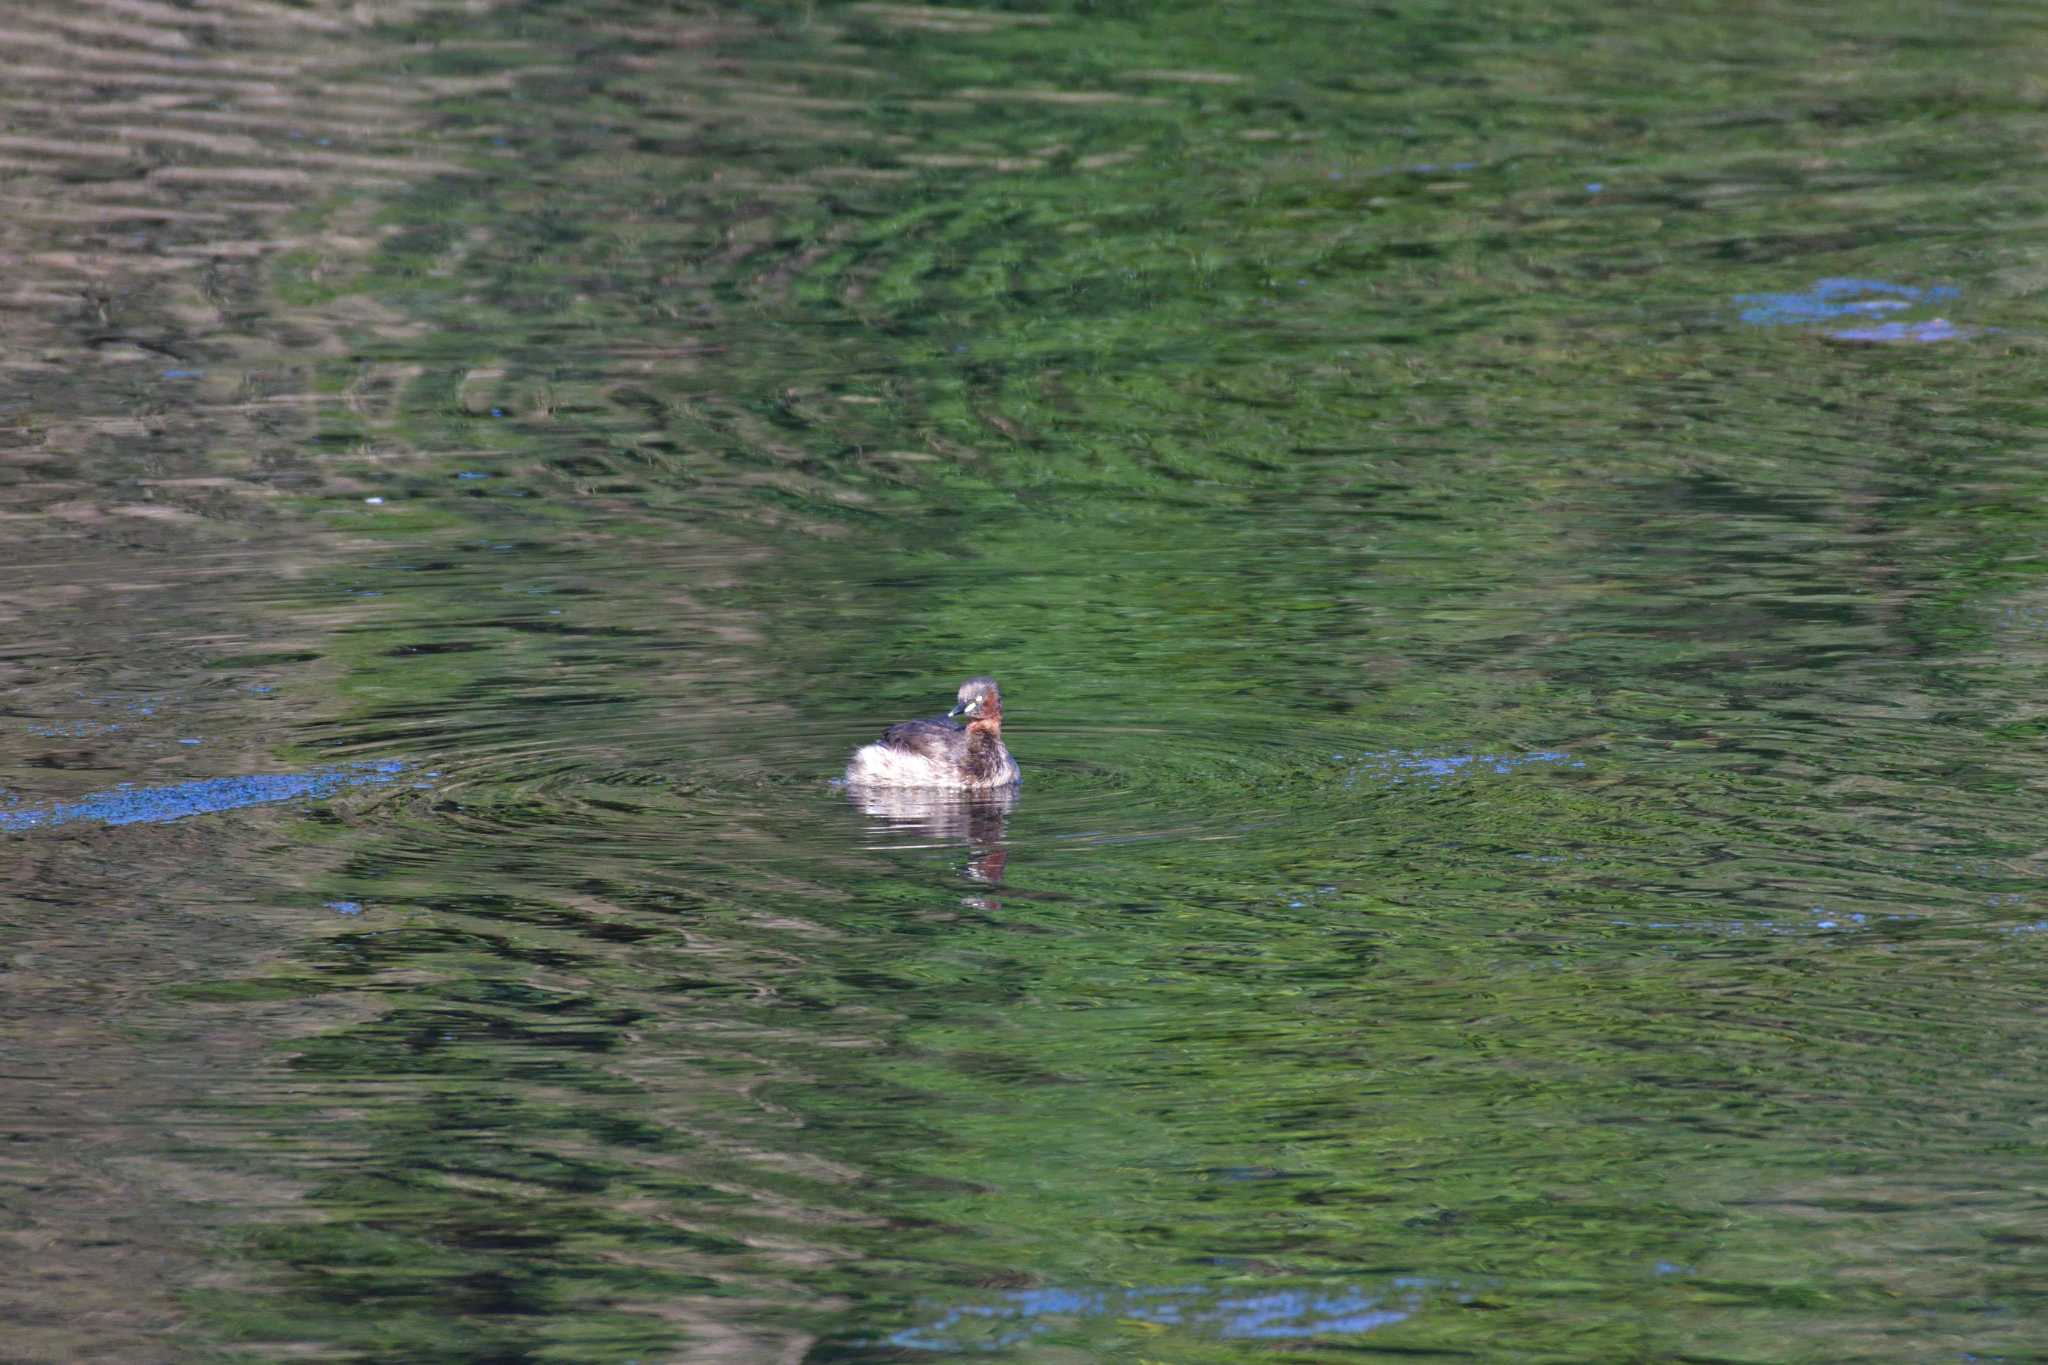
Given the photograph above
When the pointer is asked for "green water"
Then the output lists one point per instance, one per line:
(1528, 695)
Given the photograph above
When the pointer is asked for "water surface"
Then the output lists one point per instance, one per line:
(1509, 537)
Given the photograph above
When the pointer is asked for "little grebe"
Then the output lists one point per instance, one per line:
(938, 753)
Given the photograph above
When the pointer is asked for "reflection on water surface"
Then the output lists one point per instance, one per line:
(976, 819)
(1530, 845)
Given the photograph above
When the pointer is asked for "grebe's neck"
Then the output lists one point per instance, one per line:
(985, 752)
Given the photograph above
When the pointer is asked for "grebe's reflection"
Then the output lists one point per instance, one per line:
(974, 818)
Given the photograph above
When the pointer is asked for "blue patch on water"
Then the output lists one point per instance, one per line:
(1894, 333)
(1840, 297)
(184, 374)
(1395, 766)
(1814, 921)
(132, 805)
(75, 729)
(473, 473)
(1274, 1315)
(346, 907)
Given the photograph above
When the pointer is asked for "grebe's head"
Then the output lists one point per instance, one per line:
(980, 699)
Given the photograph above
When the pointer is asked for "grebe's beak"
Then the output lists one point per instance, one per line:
(966, 708)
